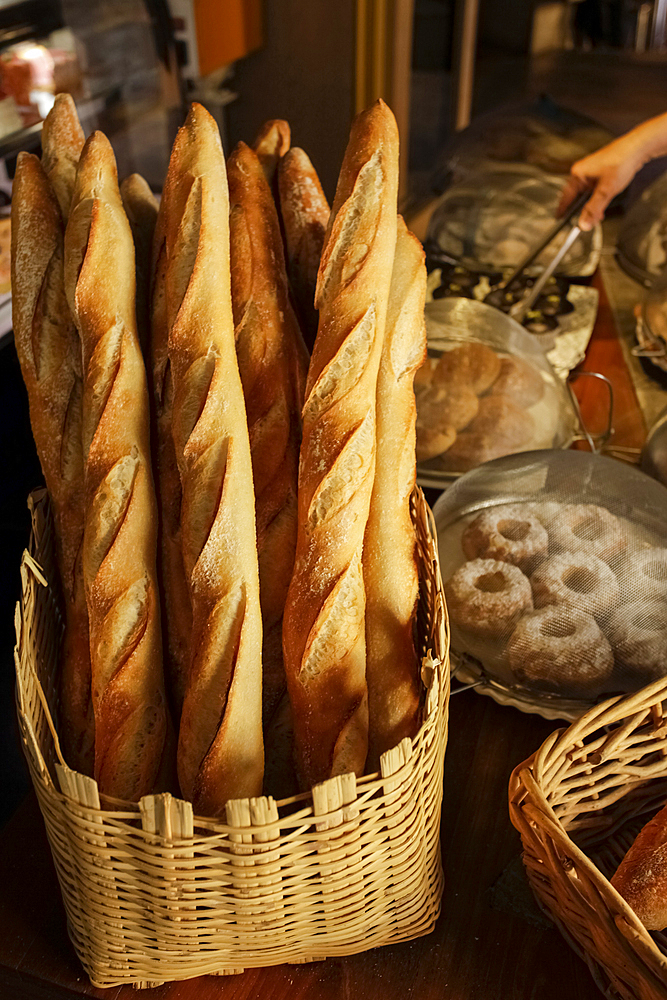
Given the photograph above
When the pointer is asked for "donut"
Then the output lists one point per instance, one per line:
(589, 529)
(474, 364)
(547, 513)
(439, 407)
(487, 596)
(508, 533)
(431, 442)
(646, 573)
(638, 635)
(561, 650)
(575, 581)
(520, 381)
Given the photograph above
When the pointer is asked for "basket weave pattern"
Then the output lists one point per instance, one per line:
(154, 894)
(578, 803)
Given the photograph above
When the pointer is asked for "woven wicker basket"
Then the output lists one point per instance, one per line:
(154, 894)
(578, 804)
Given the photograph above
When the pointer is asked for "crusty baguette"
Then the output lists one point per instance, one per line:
(62, 142)
(220, 752)
(273, 362)
(390, 567)
(119, 543)
(305, 213)
(49, 353)
(323, 630)
(271, 142)
(641, 877)
(174, 588)
(141, 208)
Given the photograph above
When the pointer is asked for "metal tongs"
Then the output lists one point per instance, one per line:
(519, 309)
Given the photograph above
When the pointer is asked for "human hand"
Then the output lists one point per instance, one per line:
(610, 169)
(608, 172)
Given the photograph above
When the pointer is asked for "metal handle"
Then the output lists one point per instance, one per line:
(551, 234)
(604, 437)
(521, 308)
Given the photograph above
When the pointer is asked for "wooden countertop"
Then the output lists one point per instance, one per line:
(490, 943)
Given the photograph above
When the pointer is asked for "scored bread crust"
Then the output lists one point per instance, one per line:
(220, 752)
(390, 566)
(305, 212)
(271, 143)
(273, 362)
(141, 208)
(62, 142)
(323, 631)
(641, 877)
(47, 345)
(119, 542)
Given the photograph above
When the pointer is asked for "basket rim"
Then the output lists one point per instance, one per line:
(529, 810)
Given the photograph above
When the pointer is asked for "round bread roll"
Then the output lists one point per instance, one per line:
(518, 380)
(440, 407)
(503, 419)
(557, 649)
(431, 442)
(424, 374)
(473, 363)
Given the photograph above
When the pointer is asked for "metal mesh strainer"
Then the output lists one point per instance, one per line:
(555, 570)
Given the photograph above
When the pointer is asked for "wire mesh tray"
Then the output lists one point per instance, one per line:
(555, 570)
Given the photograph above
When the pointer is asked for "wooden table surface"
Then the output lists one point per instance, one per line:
(490, 943)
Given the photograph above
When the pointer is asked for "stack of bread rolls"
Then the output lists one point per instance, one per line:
(234, 540)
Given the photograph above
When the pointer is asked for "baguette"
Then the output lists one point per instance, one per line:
(305, 213)
(141, 208)
(174, 589)
(272, 362)
(62, 142)
(390, 567)
(271, 143)
(641, 877)
(220, 751)
(323, 630)
(119, 542)
(48, 349)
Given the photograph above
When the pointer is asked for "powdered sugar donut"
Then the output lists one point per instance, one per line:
(509, 533)
(488, 596)
(588, 528)
(646, 574)
(638, 635)
(575, 581)
(560, 649)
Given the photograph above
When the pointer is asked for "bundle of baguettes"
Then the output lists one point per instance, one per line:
(323, 631)
(120, 537)
(48, 349)
(245, 560)
(220, 750)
